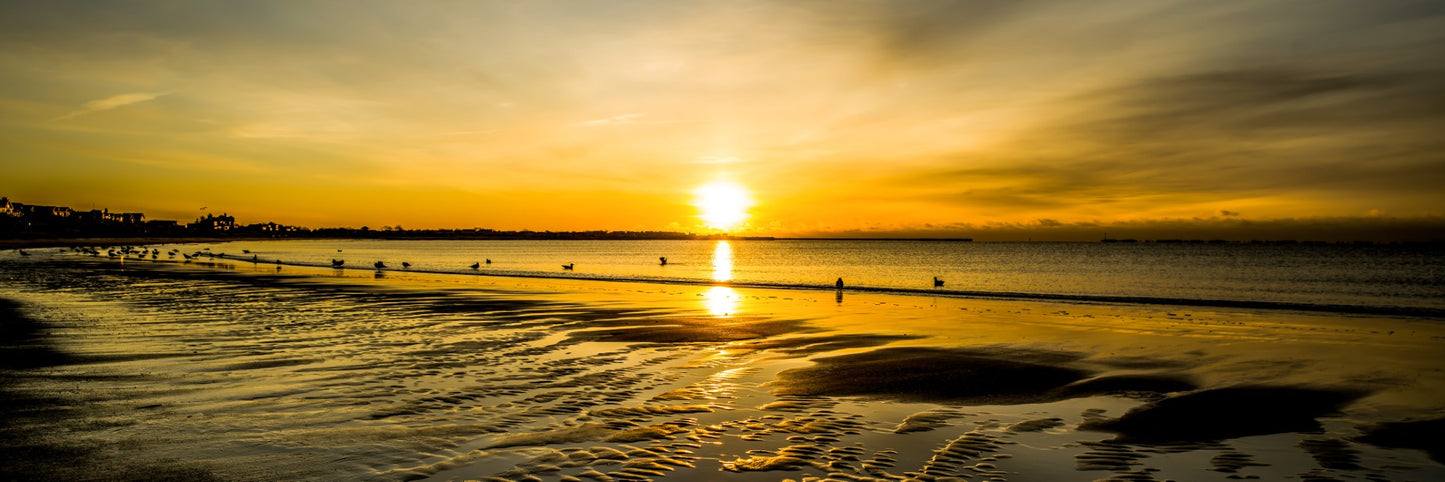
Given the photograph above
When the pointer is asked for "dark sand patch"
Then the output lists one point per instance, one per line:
(1036, 425)
(1230, 462)
(1427, 435)
(1227, 413)
(22, 344)
(928, 374)
(925, 421)
(999, 375)
(30, 420)
(1332, 453)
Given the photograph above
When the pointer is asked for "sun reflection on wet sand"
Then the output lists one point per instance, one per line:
(722, 262)
(721, 301)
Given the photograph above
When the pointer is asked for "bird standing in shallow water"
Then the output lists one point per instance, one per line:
(476, 265)
(568, 267)
(839, 284)
(379, 265)
(405, 265)
(937, 283)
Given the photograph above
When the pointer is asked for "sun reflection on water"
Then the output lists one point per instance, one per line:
(720, 301)
(722, 262)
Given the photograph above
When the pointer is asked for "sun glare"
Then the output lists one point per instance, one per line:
(723, 205)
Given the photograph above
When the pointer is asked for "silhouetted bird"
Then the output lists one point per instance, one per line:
(405, 265)
(568, 266)
(663, 259)
(246, 251)
(379, 265)
(336, 263)
(937, 283)
(476, 265)
(23, 253)
(839, 284)
(489, 260)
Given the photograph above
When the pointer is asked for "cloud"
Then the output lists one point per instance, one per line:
(112, 102)
(619, 120)
(717, 160)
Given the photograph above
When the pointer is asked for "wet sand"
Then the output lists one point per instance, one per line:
(230, 371)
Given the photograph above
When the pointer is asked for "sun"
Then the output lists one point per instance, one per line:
(723, 205)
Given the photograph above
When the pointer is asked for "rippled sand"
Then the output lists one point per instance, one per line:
(234, 371)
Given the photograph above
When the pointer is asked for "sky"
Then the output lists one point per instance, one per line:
(983, 119)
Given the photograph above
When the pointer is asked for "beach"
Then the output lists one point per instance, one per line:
(230, 370)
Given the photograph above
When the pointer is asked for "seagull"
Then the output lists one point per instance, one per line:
(489, 260)
(663, 259)
(405, 265)
(23, 253)
(476, 265)
(568, 267)
(336, 263)
(379, 265)
(937, 283)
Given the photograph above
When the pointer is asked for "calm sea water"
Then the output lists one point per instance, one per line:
(1365, 276)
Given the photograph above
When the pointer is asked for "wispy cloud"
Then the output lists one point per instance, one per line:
(618, 120)
(717, 160)
(112, 102)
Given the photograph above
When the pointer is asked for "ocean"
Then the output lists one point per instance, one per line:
(1408, 279)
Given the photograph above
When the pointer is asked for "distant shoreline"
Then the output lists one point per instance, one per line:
(57, 242)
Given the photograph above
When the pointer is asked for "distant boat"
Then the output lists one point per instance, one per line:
(937, 283)
(379, 265)
(568, 267)
(476, 265)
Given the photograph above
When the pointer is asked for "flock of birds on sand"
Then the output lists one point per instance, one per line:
(142, 253)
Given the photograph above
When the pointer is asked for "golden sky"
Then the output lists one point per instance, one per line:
(837, 117)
